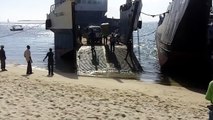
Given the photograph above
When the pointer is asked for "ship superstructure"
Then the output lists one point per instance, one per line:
(90, 12)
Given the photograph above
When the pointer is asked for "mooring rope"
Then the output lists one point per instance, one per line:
(155, 14)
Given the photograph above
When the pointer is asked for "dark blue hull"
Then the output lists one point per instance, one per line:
(182, 41)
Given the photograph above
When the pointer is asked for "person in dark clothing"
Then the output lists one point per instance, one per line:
(112, 42)
(50, 55)
(92, 40)
(129, 49)
(2, 58)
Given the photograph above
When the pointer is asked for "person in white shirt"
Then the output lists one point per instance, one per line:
(27, 55)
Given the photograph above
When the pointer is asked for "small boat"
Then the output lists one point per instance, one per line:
(16, 28)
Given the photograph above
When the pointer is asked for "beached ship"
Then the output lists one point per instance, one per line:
(129, 19)
(67, 16)
(64, 19)
(182, 40)
(16, 28)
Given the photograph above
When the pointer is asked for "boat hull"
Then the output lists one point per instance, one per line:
(16, 29)
(181, 40)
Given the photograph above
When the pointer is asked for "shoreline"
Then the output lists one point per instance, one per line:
(69, 96)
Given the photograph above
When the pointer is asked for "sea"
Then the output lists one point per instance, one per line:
(146, 52)
(15, 42)
(40, 40)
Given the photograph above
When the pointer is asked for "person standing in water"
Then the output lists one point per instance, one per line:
(50, 55)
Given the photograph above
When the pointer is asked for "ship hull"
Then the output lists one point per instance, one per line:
(16, 29)
(182, 40)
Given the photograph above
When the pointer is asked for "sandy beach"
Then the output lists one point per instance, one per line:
(66, 96)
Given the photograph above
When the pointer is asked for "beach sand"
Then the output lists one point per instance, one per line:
(68, 96)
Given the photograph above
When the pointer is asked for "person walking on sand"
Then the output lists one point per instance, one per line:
(50, 55)
(27, 55)
(2, 58)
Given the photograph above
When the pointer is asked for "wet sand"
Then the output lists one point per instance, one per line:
(68, 96)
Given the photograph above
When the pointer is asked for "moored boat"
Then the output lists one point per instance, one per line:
(16, 28)
(182, 40)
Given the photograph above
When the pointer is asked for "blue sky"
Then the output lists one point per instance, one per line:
(37, 9)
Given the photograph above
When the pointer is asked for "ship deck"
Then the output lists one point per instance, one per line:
(104, 63)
